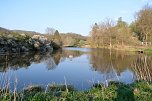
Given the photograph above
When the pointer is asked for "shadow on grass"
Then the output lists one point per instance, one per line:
(124, 93)
(116, 91)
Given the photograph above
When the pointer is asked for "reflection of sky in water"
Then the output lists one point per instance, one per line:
(77, 71)
(127, 76)
(78, 49)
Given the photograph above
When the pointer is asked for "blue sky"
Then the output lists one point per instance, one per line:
(65, 15)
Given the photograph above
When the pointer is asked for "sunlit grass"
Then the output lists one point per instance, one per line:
(138, 91)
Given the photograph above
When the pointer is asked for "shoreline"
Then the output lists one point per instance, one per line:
(125, 48)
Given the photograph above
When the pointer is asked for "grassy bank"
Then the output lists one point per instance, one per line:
(148, 50)
(127, 48)
(138, 91)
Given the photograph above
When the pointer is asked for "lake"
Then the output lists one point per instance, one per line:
(80, 67)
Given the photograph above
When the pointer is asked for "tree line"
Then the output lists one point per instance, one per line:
(65, 39)
(114, 34)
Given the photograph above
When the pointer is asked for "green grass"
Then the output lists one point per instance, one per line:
(138, 91)
(148, 50)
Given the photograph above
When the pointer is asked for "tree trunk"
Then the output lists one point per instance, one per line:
(146, 39)
(110, 42)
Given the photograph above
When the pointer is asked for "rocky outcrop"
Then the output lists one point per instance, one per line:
(23, 43)
(41, 43)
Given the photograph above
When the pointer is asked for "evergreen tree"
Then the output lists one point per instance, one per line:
(57, 38)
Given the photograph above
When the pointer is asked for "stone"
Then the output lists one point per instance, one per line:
(35, 43)
(2, 42)
(14, 50)
(23, 35)
(2, 50)
(24, 49)
(35, 37)
(49, 48)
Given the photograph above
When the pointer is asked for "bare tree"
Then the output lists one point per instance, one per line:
(50, 31)
(110, 34)
(144, 23)
(101, 34)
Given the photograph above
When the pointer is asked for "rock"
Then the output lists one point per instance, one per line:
(35, 37)
(43, 49)
(14, 50)
(2, 50)
(10, 36)
(42, 39)
(2, 42)
(49, 48)
(9, 41)
(23, 44)
(23, 35)
(30, 41)
(36, 45)
(24, 49)
(41, 43)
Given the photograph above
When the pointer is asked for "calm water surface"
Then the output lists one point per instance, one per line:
(81, 67)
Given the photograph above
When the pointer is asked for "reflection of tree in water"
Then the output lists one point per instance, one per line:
(112, 63)
(57, 55)
(102, 60)
(50, 63)
(142, 67)
(74, 53)
(14, 62)
(17, 61)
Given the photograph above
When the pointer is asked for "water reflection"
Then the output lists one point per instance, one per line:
(17, 61)
(79, 66)
(142, 67)
(112, 63)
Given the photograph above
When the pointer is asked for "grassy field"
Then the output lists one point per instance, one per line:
(138, 91)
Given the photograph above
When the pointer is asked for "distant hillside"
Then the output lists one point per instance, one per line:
(3, 30)
(29, 33)
(7, 31)
(73, 39)
(68, 39)
(73, 35)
